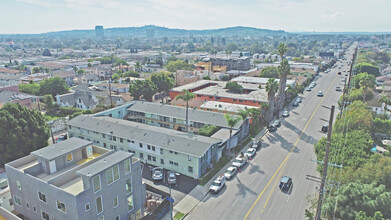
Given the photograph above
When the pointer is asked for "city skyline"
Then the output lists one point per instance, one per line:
(41, 16)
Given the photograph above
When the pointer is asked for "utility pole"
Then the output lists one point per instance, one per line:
(325, 165)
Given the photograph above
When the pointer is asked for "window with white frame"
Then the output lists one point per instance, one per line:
(42, 197)
(61, 206)
(18, 185)
(115, 202)
(45, 215)
(130, 203)
(127, 166)
(96, 182)
(112, 174)
(99, 205)
(128, 185)
(87, 207)
(17, 201)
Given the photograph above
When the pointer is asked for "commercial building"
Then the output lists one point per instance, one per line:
(259, 80)
(188, 154)
(232, 63)
(75, 179)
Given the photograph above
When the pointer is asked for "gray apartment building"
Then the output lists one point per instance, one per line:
(232, 63)
(188, 154)
(75, 179)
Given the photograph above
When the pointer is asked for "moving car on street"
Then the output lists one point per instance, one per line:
(285, 183)
(217, 185)
(320, 93)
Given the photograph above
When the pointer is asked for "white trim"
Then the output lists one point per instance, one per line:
(117, 202)
(40, 198)
(129, 211)
(131, 185)
(20, 205)
(100, 184)
(112, 175)
(96, 204)
(57, 201)
(45, 213)
(130, 166)
(89, 207)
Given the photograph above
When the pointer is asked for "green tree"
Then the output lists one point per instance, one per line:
(359, 118)
(208, 130)
(173, 66)
(271, 89)
(163, 81)
(48, 99)
(30, 88)
(115, 77)
(283, 72)
(384, 99)
(21, 131)
(80, 72)
(282, 48)
(144, 88)
(367, 68)
(53, 86)
(269, 72)
(137, 67)
(231, 121)
(186, 96)
(234, 87)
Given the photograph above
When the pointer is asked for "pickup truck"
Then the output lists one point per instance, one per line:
(217, 185)
(239, 161)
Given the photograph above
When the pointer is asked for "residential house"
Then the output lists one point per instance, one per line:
(24, 99)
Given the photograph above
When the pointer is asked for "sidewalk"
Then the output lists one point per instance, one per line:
(191, 200)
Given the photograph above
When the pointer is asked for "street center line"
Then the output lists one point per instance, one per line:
(252, 180)
(235, 202)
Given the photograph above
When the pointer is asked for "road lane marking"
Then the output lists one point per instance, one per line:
(235, 202)
(289, 153)
(252, 180)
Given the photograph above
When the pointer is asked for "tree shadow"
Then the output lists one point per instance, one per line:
(285, 144)
(306, 138)
(243, 189)
(255, 169)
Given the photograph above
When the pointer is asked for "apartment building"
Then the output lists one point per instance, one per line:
(188, 154)
(232, 63)
(75, 179)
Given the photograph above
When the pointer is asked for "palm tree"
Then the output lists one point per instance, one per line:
(231, 121)
(186, 96)
(271, 89)
(283, 72)
(282, 50)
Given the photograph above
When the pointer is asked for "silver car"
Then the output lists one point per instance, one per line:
(171, 177)
(157, 173)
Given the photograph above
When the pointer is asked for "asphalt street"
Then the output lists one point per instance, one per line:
(254, 193)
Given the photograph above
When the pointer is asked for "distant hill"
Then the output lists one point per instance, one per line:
(156, 31)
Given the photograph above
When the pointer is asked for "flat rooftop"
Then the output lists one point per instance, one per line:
(103, 164)
(225, 106)
(61, 148)
(196, 115)
(258, 80)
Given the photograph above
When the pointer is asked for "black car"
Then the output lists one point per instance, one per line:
(286, 183)
(272, 127)
(325, 128)
(277, 123)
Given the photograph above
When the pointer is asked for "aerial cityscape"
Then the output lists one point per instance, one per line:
(148, 110)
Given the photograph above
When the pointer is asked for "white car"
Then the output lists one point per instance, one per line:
(285, 114)
(250, 153)
(231, 171)
(157, 173)
(217, 185)
(239, 161)
(320, 93)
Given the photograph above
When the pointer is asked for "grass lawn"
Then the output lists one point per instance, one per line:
(178, 216)
(222, 162)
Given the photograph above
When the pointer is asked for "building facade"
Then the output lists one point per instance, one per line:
(75, 179)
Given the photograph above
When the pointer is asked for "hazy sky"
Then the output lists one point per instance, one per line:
(37, 16)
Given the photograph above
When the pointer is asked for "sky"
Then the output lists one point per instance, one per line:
(40, 16)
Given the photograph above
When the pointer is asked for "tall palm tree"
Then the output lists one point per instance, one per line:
(282, 50)
(231, 121)
(186, 96)
(271, 89)
(283, 72)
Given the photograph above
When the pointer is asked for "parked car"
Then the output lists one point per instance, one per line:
(277, 123)
(309, 89)
(250, 154)
(217, 185)
(231, 171)
(239, 161)
(320, 93)
(299, 99)
(295, 103)
(325, 128)
(338, 88)
(286, 183)
(272, 127)
(157, 173)
(339, 73)
(285, 114)
(256, 144)
(171, 177)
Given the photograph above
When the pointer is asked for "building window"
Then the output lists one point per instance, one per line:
(114, 138)
(121, 140)
(18, 185)
(99, 205)
(116, 172)
(131, 217)
(87, 207)
(27, 205)
(61, 206)
(190, 169)
(117, 218)
(154, 159)
(161, 150)
(128, 185)
(141, 156)
(130, 203)
(162, 161)
(96, 182)
(104, 145)
(101, 218)
(103, 135)
(115, 202)
(17, 201)
(149, 147)
(69, 157)
(176, 153)
(171, 163)
(141, 145)
(127, 166)
(153, 148)
(45, 215)
(171, 152)
(189, 158)
(112, 174)
(175, 164)
(34, 209)
(149, 157)
(69, 126)
(42, 197)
